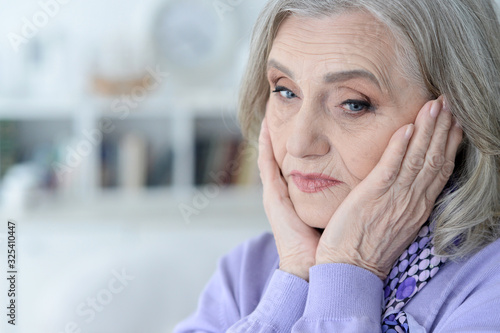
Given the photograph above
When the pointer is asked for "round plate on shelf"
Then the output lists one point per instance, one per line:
(194, 39)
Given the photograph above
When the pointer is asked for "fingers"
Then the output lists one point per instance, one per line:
(438, 160)
(274, 186)
(432, 170)
(415, 159)
(435, 156)
(386, 171)
(453, 141)
(426, 161)
(269, 171)
(429, 161)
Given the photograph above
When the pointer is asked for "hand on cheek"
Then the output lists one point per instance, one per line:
(296, 242)
(384, 212)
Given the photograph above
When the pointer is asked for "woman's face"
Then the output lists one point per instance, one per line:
(339, 98)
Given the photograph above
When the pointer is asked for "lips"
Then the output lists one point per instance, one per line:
(313, 182)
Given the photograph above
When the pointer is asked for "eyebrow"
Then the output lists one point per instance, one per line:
(336, 77)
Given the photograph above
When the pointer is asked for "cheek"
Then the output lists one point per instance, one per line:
(361, 154)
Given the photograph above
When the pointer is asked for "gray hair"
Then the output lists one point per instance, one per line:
(449, 47)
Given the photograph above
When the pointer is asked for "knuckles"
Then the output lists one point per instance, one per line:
(436, 161)
(389, 176)
(415, 164)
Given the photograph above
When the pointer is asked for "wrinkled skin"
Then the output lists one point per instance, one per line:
(373, 131)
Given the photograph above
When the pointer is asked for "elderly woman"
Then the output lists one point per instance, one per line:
(379, 155)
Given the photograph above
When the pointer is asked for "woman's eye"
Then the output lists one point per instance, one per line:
(284, 92)
(356, 106)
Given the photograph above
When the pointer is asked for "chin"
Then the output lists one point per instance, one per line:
(317, 209)
(316, 214)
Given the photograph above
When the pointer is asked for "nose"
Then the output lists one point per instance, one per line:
(308, 138)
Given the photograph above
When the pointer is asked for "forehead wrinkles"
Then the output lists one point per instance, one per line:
(344, 39)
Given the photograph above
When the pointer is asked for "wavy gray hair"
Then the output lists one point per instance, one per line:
(449, 47)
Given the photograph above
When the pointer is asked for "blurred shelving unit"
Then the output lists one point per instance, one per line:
(90, 146)
(70, 128)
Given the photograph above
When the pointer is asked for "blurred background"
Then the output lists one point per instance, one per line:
(121, 158)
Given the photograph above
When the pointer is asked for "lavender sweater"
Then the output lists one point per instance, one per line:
(248, 293)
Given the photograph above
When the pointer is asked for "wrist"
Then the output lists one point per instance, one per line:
(300, 272)
(298, 268)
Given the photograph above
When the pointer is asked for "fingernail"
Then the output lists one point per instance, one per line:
(409, 131)
(436, 107)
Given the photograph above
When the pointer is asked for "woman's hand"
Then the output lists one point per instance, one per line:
(383, 213)
(296, 241)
